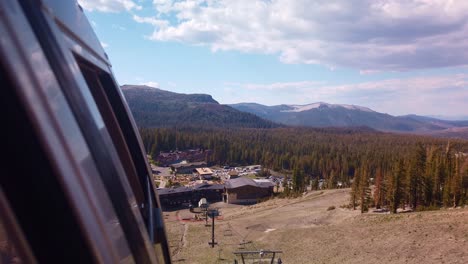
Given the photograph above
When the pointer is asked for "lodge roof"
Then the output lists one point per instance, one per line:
(242, 181)
(187, 165)
(205, 186)
(198, 187)
(162, 191)
(204, 171)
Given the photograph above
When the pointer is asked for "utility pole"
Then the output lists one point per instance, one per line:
(212, 232)
(212, 213)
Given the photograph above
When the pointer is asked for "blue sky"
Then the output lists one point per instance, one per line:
(394, 56)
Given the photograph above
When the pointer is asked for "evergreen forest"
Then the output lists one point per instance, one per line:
(384, 170)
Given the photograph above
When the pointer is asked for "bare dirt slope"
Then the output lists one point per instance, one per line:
(307, 232)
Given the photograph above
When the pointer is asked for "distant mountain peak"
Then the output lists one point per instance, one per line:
(132, 86)
(152, 94)
(321, 105)
(322, 114)
(153, 107)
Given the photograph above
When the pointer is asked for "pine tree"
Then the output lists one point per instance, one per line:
(331, 183)
(448, 166)
(298, 182)
(449, 169)
(427, 180)
(465, 184)
(155, 147)
(395, 186)
(415, 175)
(364, 191)
(438, 182)
(379, 189)
(355, 189)
(314, 185)
(456, 183)
(286, 188)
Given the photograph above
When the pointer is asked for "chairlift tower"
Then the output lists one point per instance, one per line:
(212, 213)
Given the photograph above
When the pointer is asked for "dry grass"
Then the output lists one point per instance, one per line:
(307, 232)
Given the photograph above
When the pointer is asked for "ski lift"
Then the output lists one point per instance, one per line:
(258, 256)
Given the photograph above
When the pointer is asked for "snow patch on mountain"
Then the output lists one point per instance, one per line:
(302, 108)
(356, 107)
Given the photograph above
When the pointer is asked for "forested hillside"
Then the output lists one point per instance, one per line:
(406, 169)
(153, 107)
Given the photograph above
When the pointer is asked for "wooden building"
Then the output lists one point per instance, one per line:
(204, 173)
(176, 197)
(187, 168)
(246, 191)
(212, 192)
(233, 174)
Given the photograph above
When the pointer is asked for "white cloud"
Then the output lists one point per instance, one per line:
(370, 35)
(112, 6)
(151, 20)
(151, 84)
(284, 86)
(442, 95)
(163, 6)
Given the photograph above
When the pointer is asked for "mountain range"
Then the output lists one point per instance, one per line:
(341, 115)
(153, 107)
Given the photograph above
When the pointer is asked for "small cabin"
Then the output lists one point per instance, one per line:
(233, 174)
(204, 173)
(246, 191)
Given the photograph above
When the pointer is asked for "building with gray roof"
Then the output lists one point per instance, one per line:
(247, 191)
